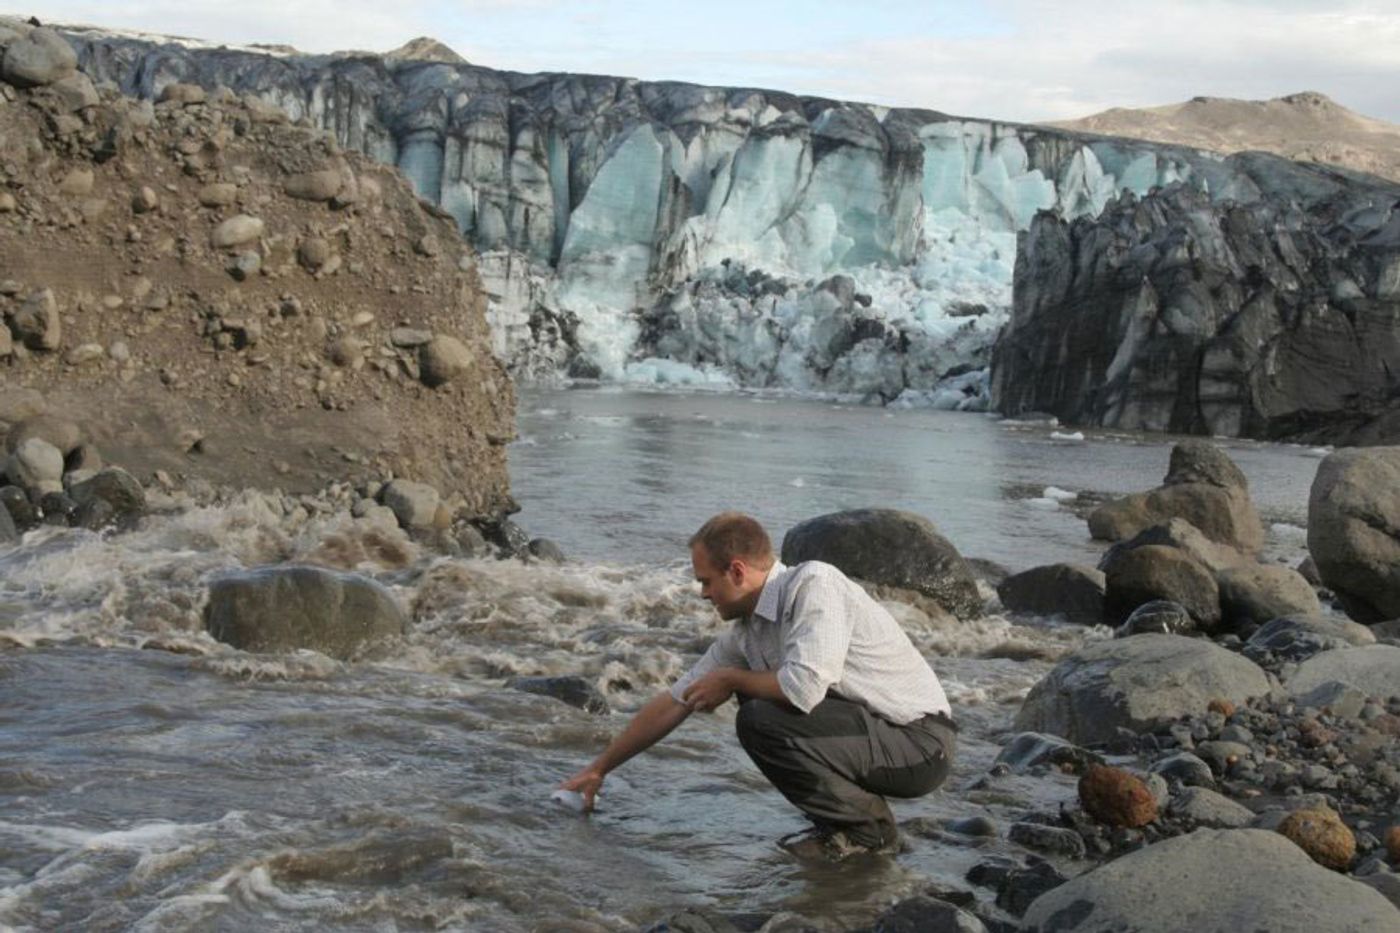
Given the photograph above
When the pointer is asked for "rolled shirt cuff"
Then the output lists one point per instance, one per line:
(802, 686)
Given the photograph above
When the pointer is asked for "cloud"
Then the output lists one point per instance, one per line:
(1070, 59)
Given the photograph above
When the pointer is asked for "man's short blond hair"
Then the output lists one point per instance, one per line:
(734, 535)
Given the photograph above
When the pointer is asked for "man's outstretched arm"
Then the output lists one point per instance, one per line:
(650, 725)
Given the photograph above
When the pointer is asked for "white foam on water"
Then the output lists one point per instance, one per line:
(1058, 494)
(1070, 436)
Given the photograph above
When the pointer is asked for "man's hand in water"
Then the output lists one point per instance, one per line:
(710, 691)
(587, 782)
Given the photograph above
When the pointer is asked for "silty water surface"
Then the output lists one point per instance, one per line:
(153, 779)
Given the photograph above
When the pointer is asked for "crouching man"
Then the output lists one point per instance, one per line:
(837, 707)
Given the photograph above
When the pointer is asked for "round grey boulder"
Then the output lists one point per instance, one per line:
(1354, 530)
(889, 547)
(285, 608)
(1373, 669)
(36, 465)
(1212, 881)
(1156, 572)
(1252, 594)
(1142, 684)
(415, 505)
(443, 359)
(1070, 590)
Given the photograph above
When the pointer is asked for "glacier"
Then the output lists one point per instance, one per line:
(669, 233)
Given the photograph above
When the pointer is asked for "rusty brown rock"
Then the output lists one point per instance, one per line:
(1322, 834)
(1116, 797)
(1222, 706)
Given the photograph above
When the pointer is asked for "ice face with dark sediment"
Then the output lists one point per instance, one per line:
(672, 233)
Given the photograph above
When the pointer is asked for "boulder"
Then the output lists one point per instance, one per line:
(40, 58)
(1211, 881)
(415, 505)
(543, 549)
(1298, 637)
(1321, 833)
(443, 359)
(1186, 768)
(238, 230)
(1203, 487)
(1252, 594)
(1354, 530)
(1181, 534)
(15, 503)
(1374, 670)
(75, 92)
(321, 185)
(1071, 590)
(115, 488)
(217, 194)
(286, 608)
(37, 466)
(1142, 683)
(180, 93)
(1117, 797)
(506, 535)
(573, 690)
(37, 324)
(1155, 572)
(889, 547)
(1159, 617)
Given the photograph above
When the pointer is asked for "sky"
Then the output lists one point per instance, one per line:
(1022, 60)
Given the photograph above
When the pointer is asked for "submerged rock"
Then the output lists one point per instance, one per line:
(1211, 881)
(573, 690)
(1158, 617)
(276, 609)
(892, 548)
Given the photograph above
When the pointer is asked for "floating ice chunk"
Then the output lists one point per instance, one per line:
(1320, 451)
(1062, 436)
(570, 799)
(799, 482)
(1059, 495)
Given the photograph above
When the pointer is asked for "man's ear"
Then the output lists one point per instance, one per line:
(737, 570)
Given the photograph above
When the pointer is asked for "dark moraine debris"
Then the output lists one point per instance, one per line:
(285, 608)
(572, 689)
(889, 547)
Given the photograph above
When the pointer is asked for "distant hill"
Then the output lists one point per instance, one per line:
(1307, 126)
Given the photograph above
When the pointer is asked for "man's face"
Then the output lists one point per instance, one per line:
(722, 586)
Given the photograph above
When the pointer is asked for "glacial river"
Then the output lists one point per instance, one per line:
(153, 779)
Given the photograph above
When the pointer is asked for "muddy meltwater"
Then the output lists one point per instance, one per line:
(154, 779)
